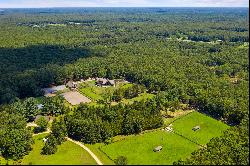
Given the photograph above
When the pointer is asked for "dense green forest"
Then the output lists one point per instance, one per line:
(197, 56)
(91, 125)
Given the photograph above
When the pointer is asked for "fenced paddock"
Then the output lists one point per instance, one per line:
(75, 98)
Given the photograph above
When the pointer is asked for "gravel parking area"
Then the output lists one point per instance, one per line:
(75, 98)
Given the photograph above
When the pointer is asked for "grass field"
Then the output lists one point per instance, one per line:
(175, 115)
(139, 149)
(125, 85)
(143, 96)
(103, 157)
(209, 127)
(68, 153)
(94, 92)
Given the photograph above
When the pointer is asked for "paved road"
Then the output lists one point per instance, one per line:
(87, 149)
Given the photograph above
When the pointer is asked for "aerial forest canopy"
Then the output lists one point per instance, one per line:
(197, 56)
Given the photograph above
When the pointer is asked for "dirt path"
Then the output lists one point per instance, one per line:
(45, 132)
(78, 143)
(31, 124)
(87, 149)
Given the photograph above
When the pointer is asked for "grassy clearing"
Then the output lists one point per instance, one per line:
(68, 153)
(90, 90)
(143, 96)
(139, 148)
(102, 156)
(209, 127)
(125, 85)
(177, 114)
(96, 93)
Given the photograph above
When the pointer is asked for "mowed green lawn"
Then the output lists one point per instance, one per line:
(68, 154)
(102, 156)
(90, 90)
(139, 148)
(209, 127)
(94, 93)
(142, 96)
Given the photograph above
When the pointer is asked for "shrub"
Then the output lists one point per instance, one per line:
(50, 146)
(121, 160)
(42, 123)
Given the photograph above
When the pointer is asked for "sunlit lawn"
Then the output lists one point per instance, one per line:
(142, 96)
(139, 148)
(209, 127)
(67, 153)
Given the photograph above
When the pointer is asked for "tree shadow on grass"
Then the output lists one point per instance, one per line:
(24, 71)
(37, 56)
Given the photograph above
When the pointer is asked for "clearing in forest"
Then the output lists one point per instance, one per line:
(139, 148)
(67, 154)
(75, 98)
(176, 145)
(92, 91)
(209, 127)
(142, 96)
(97, 93)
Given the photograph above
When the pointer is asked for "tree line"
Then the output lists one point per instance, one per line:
(135, 45)
(91, 124)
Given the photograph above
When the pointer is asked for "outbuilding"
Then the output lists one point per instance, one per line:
(104, 82)
(158, 148)
(196, 128)
(72, 85)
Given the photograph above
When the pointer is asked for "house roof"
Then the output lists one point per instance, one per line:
(71, 84)
(102, 80)
(112, 82)
(54, 88)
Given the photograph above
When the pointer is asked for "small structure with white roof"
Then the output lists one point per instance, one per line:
(157, 149)
(196, 128)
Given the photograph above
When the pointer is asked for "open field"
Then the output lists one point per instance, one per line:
(75, 98)
(96, 93)
(102, 156)
(90, 90)
(175, 115)
(124, 85)
(209, 127)
(142, 96)
(68, 153)
(139, 148)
